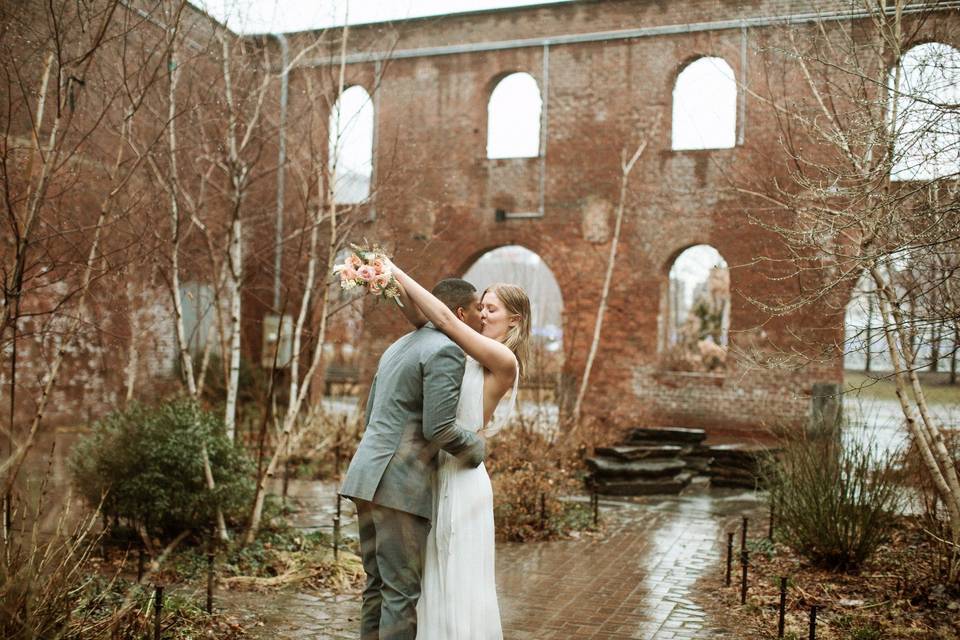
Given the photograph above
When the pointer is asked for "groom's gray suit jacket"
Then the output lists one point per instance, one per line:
(411, 415)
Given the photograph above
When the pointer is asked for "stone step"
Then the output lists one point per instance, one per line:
(666, 435)
(627, 452)
(672, 485)
(736, 483)
(743, 456)
(649, 468)
(699, 464)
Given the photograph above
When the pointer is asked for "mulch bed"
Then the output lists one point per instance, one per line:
(893, 596)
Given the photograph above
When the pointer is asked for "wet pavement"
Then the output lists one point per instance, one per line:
(636, 580)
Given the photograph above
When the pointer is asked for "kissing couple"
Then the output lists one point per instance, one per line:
(423, 497)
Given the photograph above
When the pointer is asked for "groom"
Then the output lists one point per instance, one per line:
(411, 415)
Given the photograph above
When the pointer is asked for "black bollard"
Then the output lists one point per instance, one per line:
(141, 561)
(158, 611)
(743, 536)
(336, 537)
(595, 502)
(729, 557)
(543, 511)
(783, 607)
(744, 561)
(813, 622)
(210, 559)
(286, 480)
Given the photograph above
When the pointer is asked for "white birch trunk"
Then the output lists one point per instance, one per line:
(626, 167)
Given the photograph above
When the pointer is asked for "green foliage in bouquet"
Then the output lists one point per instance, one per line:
(146, 465)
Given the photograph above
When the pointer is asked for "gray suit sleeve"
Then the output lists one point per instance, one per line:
(442, 377)
(369, 408)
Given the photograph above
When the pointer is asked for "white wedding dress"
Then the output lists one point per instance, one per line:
(458, 597)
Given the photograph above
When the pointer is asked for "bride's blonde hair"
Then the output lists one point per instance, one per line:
(516, 303)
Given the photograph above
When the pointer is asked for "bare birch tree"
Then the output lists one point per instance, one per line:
(72, 121)
(626, 166)
(870, 128)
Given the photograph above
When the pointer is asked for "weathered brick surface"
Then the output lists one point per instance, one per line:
(436, 193)
(436, 203)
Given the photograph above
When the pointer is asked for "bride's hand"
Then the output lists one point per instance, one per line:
(390, 265)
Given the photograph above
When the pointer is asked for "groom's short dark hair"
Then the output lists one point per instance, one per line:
(455, 293)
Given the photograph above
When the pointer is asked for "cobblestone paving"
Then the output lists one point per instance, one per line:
(633, 582)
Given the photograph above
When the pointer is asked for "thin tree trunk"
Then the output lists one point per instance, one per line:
(235, 250)
(289, 434)
(626, 167)
(133, 362)
(235, 272)
(927, 436)
(176, 220)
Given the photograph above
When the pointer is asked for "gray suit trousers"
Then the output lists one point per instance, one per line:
(392, 547)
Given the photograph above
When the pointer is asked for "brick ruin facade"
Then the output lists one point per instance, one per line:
(606, 72)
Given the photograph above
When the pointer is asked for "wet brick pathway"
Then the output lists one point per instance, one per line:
(634, 582)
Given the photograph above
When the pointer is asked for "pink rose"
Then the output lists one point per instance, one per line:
(348, 273)
(354, 261)
(379, 283)
(366, 273)
(378, 265)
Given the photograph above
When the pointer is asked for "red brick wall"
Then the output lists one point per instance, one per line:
(436, 203)
(436, 193)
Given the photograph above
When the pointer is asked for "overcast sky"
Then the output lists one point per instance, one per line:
(284, 16)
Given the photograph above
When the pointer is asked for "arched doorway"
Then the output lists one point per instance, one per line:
(518, 265)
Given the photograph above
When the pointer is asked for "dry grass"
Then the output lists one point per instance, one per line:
(893, 596)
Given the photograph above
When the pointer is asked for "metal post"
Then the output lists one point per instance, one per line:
(210, 559)
(744, 561)
(336, 537)
(743, 536)
(158, 610)
(783, 606)
(141, 561)
(729, 557)
(813, 622)
(286, 479)
(543, 511)
(595, 499)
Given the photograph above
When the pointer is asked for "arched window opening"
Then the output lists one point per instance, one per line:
(513, 118)
(518, 265)
(351, 146)
(705, 106)
(925, 120)
(342, 348)
(698, 317)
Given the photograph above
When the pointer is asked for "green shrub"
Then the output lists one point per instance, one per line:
(146, 465)
(836, 502)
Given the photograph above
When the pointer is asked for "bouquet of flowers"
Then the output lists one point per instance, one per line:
(369, 268)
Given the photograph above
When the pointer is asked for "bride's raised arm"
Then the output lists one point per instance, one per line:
(492, 354)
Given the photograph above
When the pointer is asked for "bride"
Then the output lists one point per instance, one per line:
(458, 598)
